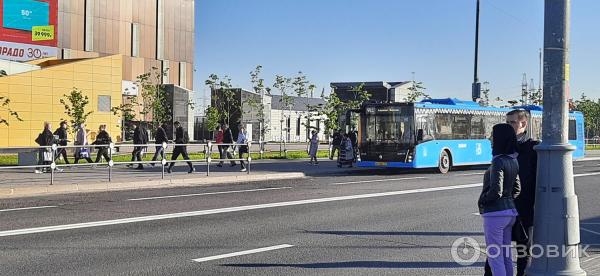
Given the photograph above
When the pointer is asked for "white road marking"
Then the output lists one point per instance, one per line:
(589, 231)
(587, 174)
(590, 223)
(378, 180)
(240, 253)
(225, 210)
(467, 174)
(213, 193)
(476, 214)
(590, 259)
(27, 208)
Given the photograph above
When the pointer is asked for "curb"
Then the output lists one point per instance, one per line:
(38, 190)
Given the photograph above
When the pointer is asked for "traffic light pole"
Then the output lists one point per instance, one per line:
(556, 222)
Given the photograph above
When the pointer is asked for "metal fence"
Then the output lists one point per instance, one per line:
(48, 155)
(593, 143)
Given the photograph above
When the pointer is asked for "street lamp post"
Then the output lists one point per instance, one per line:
(556, 222)
(476, 86)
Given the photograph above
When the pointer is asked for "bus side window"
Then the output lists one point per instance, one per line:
(572, 129)
(477, 127)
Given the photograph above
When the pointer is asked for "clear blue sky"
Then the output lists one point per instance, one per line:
(360, 40)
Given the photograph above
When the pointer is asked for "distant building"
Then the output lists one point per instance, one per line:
(380, 91)
(289, 123)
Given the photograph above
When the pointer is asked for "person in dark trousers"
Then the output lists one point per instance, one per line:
(102, 141)
(242, 140)
(496, 204)
(61, 132)
(140, 137)
(181, 137)
(45, 138)
(336, 144)
(227, 139)
(219, 141)
(160, 136)
(519, 120)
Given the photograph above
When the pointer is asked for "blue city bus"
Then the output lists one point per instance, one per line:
(440, 133)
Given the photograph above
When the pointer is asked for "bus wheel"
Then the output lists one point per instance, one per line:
(444, 163)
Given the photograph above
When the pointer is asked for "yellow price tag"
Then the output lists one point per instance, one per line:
(41, 33)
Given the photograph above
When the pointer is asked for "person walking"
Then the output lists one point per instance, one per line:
(102, 141)
(335, 144)
(527, 158)
(140, 137)
(496, 204)
(61, 132)
(219, 141)
(160, 137)
(314, 147)
(44, 139)
(353, 135)
(227, 139)
(181, 137)
(242, 141)
(81, 140)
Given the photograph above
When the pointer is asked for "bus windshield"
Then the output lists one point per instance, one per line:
(389, 124)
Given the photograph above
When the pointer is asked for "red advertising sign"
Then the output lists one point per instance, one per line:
(32, 22)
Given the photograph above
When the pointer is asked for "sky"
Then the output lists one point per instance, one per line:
(388, 40)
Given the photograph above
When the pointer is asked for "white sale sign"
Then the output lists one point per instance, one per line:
(25, 52)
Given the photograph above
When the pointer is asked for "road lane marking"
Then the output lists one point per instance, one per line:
(587, 174)
(467, 174)
(589, 231)
(27, 208)
(225, 210)
(476, 214)
(212, 193)
(241, 253)
(379, 180)
(593, 258)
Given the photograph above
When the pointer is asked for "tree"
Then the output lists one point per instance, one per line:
(154, 97)
(258, 85)
(283, 84)
(75, 103)
(4, 107)
(416, 92)
(225, 101)
(332, 110)
(591, 115)
(127, 111)
(212, 118)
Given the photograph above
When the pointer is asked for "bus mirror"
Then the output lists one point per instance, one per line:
(420, 135)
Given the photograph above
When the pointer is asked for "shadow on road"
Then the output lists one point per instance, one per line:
(395, 233)
(362, 264)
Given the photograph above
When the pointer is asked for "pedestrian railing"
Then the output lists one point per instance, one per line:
(49, 156)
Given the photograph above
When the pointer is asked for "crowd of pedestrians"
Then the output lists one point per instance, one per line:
(83, 149)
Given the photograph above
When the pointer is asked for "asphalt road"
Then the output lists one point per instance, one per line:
(372, 222)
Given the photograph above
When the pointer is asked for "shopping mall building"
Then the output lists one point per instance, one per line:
(49, 47)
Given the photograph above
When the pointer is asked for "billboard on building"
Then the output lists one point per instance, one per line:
(28, 29)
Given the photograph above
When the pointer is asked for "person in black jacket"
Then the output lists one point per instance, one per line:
(140, 137)
(335, 144)
(61, 132)
(46, 138)
(227, 139)
(160, 136)
(181, 137)
(501, 186)
(102, 140)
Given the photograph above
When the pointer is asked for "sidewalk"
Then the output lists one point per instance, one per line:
(24, 183)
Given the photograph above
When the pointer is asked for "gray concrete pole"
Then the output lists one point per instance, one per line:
(556, 222)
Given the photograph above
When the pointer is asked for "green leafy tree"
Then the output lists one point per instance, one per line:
(225, 100)
(591, 115)
(331, 110)
(75, 104)
(283, 84)
(127, 111)
(416, 92)
(155, 101)
(258, 85)
(4, 107)
(212, 118)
